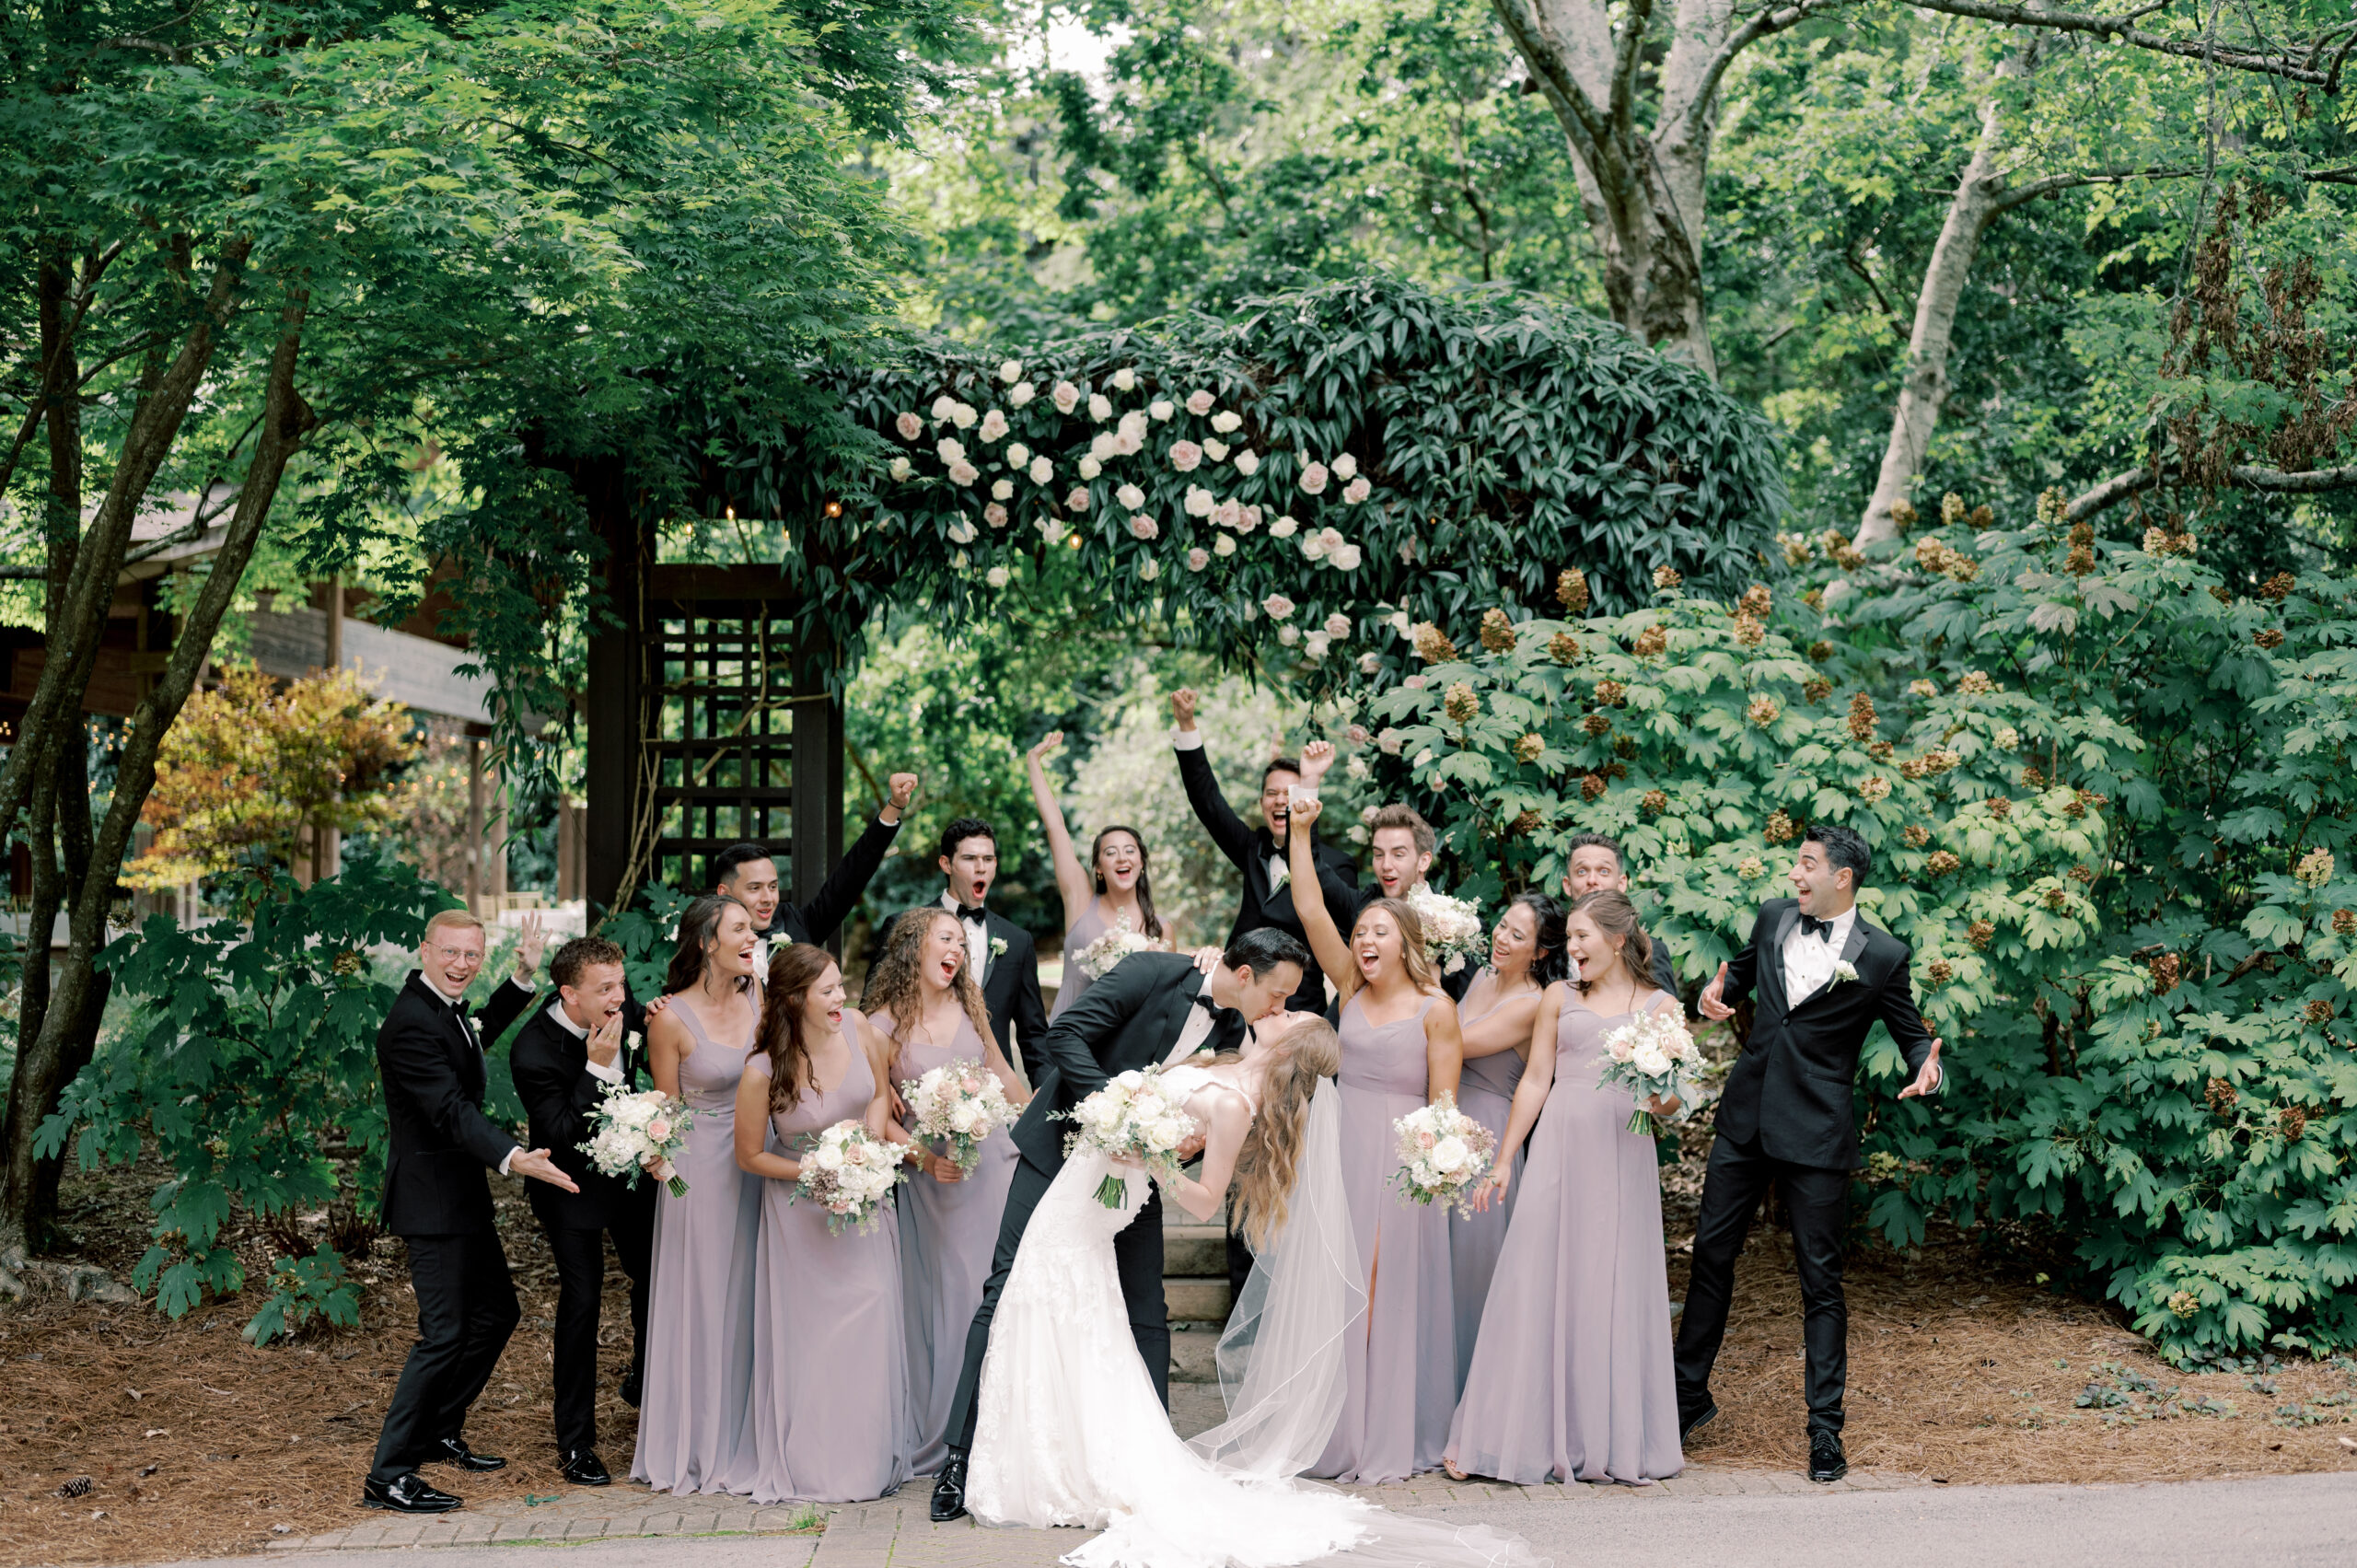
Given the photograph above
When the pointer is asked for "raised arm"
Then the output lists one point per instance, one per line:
(1735, 979)
(847, 883)
(1529, 1096)
(1071, 877)
(1326, 943)
(1444, 1050)
(1212, 809)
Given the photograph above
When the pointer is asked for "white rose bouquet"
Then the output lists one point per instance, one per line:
(1453, 933)
(1653, 1057)
(848, 1171)
(1132, 1118)
(960, 1103)
(1443, 1151)
(1099, 957)
(629, 1128)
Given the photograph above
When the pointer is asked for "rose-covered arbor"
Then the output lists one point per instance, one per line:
(1294, 488)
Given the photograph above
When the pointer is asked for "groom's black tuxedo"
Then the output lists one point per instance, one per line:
(1787, 1119)
(1127, 1021)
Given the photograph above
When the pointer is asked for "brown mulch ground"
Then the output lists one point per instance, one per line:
(195, 1443)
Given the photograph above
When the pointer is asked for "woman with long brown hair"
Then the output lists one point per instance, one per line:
(1401, 1049)
(1112, 890)
(700, 1310)
(922, 998)
(1571, 1377)
(829, 1386)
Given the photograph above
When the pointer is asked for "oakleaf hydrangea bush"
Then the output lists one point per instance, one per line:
(2110, 798)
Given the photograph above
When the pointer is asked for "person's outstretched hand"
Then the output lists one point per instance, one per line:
(1708, 1003)
(1927, 1080)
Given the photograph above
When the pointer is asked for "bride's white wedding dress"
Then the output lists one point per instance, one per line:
(1070, 1432)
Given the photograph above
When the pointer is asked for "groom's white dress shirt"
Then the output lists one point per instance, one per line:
(1809, 957)
(978, 938)
(1194, 1031)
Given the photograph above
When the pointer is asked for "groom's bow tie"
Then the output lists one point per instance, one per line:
(1227, 1024)
(973, 914)
(1821, 929)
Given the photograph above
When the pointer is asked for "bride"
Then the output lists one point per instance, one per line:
(1070, 1431)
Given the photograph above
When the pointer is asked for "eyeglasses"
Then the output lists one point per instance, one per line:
(459, 955)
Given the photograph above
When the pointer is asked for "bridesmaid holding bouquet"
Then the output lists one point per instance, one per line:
(1571, 1377)
(1401, 1049)
(922, 999)
(831, 1379)
(1112, 890)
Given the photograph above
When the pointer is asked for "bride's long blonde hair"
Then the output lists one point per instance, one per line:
(1265, 1166)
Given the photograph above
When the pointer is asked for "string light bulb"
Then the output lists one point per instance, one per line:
(833, 509)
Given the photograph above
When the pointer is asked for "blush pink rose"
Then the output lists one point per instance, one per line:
(909, 425)
(1185, 456)
(1313, 480)
(1199, 402)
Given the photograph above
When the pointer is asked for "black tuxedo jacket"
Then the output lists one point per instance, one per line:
(1011, 993)
(439, 1142)
(1126, 1022)
(550, 1067)
(819, 920)
(1792, 1088)
(1249, 848)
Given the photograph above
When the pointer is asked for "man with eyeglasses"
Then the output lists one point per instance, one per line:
(439, 1144)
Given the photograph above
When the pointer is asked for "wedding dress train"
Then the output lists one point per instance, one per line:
(1069, 1430)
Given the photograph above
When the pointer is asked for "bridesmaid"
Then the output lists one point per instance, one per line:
(1401, 1049)
(1111, 887)
(691, 1433)
(1571, 1378)
(1525, 957)
(830, 1370)
(922, 999)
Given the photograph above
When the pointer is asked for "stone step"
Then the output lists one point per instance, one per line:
(1194, 1251)
(1196, 1301)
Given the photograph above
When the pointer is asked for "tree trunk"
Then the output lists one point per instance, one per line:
(43, 1060)
(1924, 388)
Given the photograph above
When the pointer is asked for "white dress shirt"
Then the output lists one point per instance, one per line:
(1194, 1031)
(458, 1005)
(606, 1072)
(978, 938)
(1809, 958)
(1280, 868)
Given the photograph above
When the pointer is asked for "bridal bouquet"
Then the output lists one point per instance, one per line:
(1096, 959)
(1453, 931)
(1651, 1055)
(1443, 1151)
(1132, 1118)
(848, 1171)
(960, 1103)
(629, 1128)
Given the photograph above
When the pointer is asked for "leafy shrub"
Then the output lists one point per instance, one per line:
(303, 1290)
(2111, 803)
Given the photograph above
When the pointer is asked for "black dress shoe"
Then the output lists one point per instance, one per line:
(454, 1451)
(406, 1494)
(1687, 1425)
(1826, 1460)
(581, 1469)
(634, 1388)
(949, 1490)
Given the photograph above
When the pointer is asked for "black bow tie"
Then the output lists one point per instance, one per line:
(1821, 929)
(974, 915)
(1227, 1024)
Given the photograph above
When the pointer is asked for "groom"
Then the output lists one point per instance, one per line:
(1786, 1119)
(1151, 1009)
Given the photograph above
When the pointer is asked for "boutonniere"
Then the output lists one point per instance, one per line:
(1844, 970)
(998, 947)
(1283, 875)
(630, 1040)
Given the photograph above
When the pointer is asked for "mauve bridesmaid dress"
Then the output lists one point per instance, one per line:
(948, 1234)
(692, 1425)
(1572, 1378)
(1091, 925)
(1402, 1366)
(830, 1369)
(1485, 1093)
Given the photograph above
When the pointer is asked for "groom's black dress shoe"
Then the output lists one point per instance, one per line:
(1687, 1425)
(406, 1494)
(1826, 1460)
(949, 1490)
(454, 1451)
(581, 1469)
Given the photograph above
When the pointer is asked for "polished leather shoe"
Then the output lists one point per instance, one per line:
(581, 1469)
(949, 1490)
(633, 1389)
(454, 1451)
(1826, 1460)
(406, 1494)
(1687, 1425)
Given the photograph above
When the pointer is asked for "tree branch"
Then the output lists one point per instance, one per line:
(2119, 29)
(1764, 25)
(2241, 476)
(2007, 200)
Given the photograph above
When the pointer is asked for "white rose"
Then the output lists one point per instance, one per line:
(1161, 410)
(1104, 446)
(963, 1118)
(963, 417)
(1345, 466)
(1247, 462)
(1450, 1155)
(1099, 406)
(1065, 396)
(1021, 392)
(1131, 498)
(900, 468)
(1650, 1060)
(1090, 468)
(993, 426)
(1149, 569)
(1215, 450)
(998, 576)
(1200, 502)
(1125, 379)
(826, 1156)
(949, 450)
(1011, 371)
(1133, 423)
(1041, 471)
(1288, 636)
(1224, 544)
(1283, 528)
(1002, 490)
(943, 406)
(1344, 558)
(1226, 420)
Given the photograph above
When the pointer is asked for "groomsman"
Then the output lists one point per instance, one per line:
(1260, 853)
(1598, 867)
(564, 1058)
(439, 1142)
(1821, 976)
(999, 953)
(748, 874)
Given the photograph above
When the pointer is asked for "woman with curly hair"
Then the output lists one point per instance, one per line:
(922, 998)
